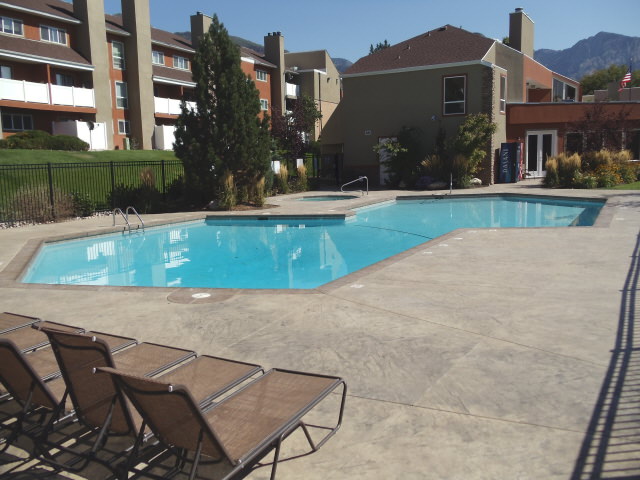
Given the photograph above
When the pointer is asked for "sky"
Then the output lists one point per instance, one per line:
(346, 28)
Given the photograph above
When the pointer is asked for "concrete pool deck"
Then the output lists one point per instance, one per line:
(484, 354)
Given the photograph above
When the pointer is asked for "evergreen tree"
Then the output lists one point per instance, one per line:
(224, 134)
(379, 46)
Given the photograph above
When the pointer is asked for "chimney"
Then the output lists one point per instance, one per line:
(200, 24)
(521, 31)
(91, 44)
(274, 53)
(136, 20)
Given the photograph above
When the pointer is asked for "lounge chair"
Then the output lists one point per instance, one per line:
(40, 402)
(240, 430)
(101, 407)
(11, 321)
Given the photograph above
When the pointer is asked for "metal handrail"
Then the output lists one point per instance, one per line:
(118, 210)
(360, 178)
(132, 209)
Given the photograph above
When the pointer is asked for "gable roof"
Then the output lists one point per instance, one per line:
(57, 9)
(42, 52)
(444, 45)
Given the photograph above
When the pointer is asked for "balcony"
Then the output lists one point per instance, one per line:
(46, 93)
(170, 106)
(292, 90)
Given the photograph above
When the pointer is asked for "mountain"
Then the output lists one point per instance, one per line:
(341, 63)
(591, 54)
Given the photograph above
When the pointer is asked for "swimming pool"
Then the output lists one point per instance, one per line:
(286, 253)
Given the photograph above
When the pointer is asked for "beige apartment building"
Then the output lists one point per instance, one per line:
(431, 82)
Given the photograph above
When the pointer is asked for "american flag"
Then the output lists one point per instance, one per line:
(626, 79)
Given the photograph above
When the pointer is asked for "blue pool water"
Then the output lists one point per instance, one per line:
(233, 252)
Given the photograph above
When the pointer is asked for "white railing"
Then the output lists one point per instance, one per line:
(292, 90)
(170, 106)
(72, 96)
(31, 92)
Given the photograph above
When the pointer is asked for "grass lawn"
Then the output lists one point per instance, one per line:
(25, 177)
(14, 157)
(628, 186)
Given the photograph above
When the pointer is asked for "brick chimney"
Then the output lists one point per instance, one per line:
(521, 31)
(274, 53)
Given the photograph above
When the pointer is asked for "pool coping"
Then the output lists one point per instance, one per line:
(15, 269)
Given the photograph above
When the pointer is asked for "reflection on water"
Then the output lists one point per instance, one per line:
(276, 253)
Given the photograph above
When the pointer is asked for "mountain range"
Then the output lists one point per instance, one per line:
(591, 54)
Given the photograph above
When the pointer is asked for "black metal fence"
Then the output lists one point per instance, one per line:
(48, 191)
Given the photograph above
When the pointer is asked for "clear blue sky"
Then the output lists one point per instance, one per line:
(346, 28)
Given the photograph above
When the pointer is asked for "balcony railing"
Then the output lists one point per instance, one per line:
(46, 93)
(170, 106)
(292, 90)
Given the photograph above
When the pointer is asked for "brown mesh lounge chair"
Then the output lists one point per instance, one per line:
(11, 321)
(25, 375)
(100, 406)
(29, 339)
(240, 430)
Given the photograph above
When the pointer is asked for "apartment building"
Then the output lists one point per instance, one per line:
(431, 82)
(117, 82)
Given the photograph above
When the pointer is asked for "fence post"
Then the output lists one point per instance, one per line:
(113, 184)
(164, 181)
(51, 196)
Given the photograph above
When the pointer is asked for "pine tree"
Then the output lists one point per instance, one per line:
(224, 132)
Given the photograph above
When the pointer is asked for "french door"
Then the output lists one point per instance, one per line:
(541, 145)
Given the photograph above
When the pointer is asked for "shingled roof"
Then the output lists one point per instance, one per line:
(444, 45)
(53, 8)
(43, 51)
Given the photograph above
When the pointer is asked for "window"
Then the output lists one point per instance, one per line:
(5, 71)
(53, 34)
(64, 80)
(261, 75)
(157, 58)
(454, 95)
(180, 62)
(264, 104)
(123, 127)
(11, 25)
(563, 92)
(117, 54)
(121, 95)
(503, 93)
(16, 122)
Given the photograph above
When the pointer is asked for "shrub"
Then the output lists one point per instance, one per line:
(463, 168)
(282, 179)
(302, 183)
(34, 203)
(83, 205)
(257, 192)
(608, 176)
(582, 180)
(436, 167)
(594, 159)
(552, 178)
(628, 172)
(622, 156)
(39, 140)
(568, 166)
(228, 195)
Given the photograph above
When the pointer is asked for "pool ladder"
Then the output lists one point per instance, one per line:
(125, 215)
(360, 178)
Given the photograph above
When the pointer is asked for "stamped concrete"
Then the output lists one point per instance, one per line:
(483, 354)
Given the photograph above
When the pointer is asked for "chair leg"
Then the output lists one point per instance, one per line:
(196, 458)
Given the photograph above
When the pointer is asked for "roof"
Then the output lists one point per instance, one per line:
(170, 39)
(50, 8)
(174, 75)
(256, 57)
(444, 45)
(41, 51)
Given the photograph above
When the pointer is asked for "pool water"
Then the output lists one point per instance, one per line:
(277, 253)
